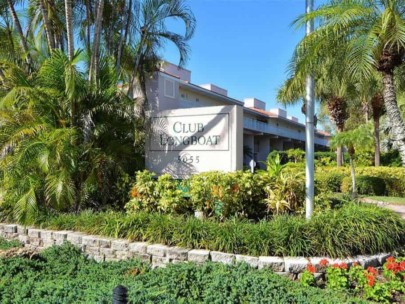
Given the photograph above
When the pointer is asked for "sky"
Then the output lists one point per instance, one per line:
(244, 46)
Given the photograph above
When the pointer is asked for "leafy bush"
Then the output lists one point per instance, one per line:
(369, 185)
(63, 275)
(5, 244)
(350, 230)
(330, 182)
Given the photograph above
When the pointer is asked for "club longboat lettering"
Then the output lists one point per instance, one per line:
(193, 136)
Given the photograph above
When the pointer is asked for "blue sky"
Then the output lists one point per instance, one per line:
(244, 46)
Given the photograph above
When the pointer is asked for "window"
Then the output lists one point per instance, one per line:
(169, 88)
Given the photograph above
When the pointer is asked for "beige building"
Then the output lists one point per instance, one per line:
(263, 130)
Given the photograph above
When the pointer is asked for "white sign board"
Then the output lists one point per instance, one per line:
(187, 141)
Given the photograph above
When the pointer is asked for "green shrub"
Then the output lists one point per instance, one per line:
(329, 182)
(63, 275)
(5, 244)
(391, 158)
(366, 185)
(350, 230)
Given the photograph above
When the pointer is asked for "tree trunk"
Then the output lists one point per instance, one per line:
(96, 44)
(88, 20)
(396, 121)
(125, 26)
(2, 76)
(69, 29)
(339, 152)
(377, 142)
(47, 26)
(18, 27)
(353, 175)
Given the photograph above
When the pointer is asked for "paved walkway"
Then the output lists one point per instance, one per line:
(400, 209)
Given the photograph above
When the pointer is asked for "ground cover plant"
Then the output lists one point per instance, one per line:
(5, 244)
(350, 230)
(63, 275)
(382, 285)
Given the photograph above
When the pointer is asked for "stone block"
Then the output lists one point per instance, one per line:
(60, 237)
(90, 241)
(2, 226)
(275, 264)
(24, 239)
(124, 254)
(37, 242)
(221, 257)
(177, 253)
(104, 242)
(251, 261)
(198, 255)
(138, 247)
(75, 238)
(34, 233)
(10, 228)
(47, 234)
(382, 258)
(143, 257)
(121, 245)
(158, 261)
(108, 252)
(295, 264)
(368, 261)
(93, 251)
(157, 250)
(21, 230)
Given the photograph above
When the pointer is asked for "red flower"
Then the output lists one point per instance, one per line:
(355, 264)
(391, 259)
(402, 266)
(370, 280)
(311, 268)
(323, 262)
(335, 265)
(343, 265)
(372, 270)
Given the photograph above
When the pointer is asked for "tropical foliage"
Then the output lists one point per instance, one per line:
(70, 132)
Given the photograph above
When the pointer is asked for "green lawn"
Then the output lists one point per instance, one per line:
(388, 199)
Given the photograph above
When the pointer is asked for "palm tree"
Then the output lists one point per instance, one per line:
(154, 14)
(354, 139)
(373, 33)
(95, 56)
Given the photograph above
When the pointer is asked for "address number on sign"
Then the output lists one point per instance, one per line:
(188, 159)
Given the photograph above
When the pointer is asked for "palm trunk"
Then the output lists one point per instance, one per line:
(94, 63)
(353, 175)
(2, 76)
(339, 152)
(88, 20)
(125, 26)
(377, 142)
(18, 27)
(47, 26)
(69, 28)
(396, 121)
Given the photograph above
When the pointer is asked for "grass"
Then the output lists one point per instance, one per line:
(388, 199)
(63, 275)
(351, 230)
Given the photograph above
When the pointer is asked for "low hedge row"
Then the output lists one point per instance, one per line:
(371, 180)
(351, 230)
(63, 275)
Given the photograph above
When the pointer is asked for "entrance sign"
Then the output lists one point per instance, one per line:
(187, 141)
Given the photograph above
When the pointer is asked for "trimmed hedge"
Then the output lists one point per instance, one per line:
(63, 275)
(370, 185)
(351, 230)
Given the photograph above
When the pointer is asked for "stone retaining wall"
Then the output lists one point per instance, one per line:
(108, 249)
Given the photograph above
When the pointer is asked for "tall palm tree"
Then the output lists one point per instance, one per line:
(153, 33)
(95, 56)
(373, 33)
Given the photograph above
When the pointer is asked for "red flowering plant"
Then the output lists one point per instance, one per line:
(307, 277)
